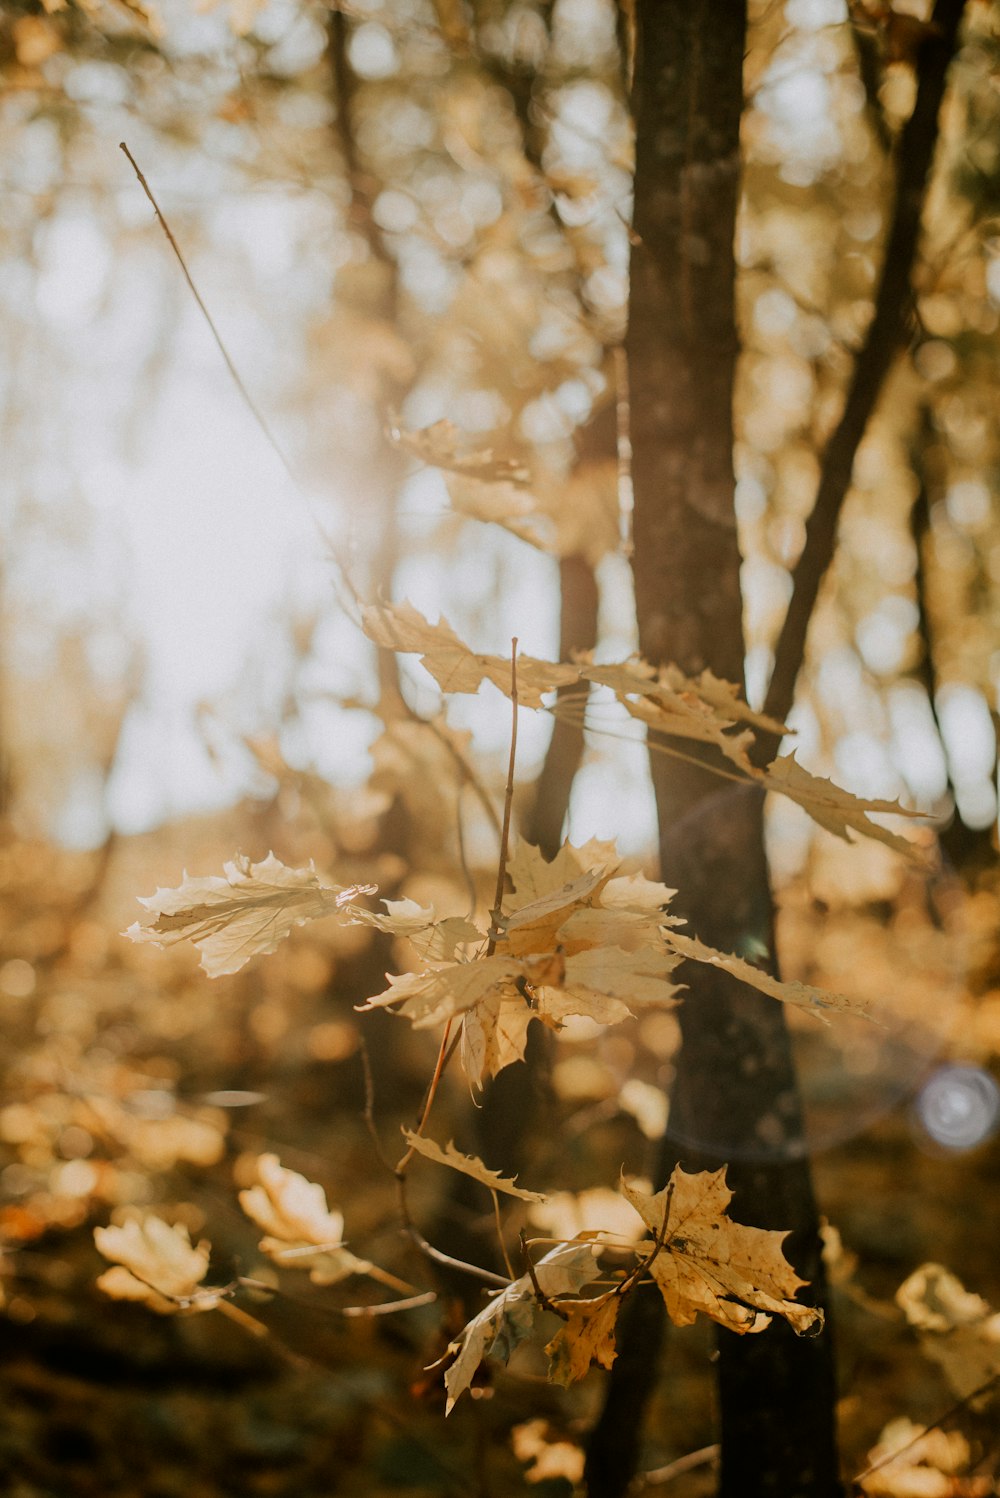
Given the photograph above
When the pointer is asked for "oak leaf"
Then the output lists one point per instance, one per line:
(469, 1165)
(301, 1232)
(737, 1275)
(246, 913)
(155, 1264)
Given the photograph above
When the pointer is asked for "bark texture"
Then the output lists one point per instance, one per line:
(735, 1100)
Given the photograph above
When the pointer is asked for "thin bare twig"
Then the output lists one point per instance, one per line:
(443, 1057)
(496, 912)
(248, 399)
(949, 1414)
(503, 1247)
(543, 1300)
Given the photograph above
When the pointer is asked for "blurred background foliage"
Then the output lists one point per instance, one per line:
(401, 213)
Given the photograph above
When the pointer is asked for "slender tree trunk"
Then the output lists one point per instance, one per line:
(886, 333)
(735, 1100)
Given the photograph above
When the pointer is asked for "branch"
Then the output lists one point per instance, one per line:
(917, 143)
(248, 399)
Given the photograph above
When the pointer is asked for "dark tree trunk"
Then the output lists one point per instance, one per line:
(735, 1100)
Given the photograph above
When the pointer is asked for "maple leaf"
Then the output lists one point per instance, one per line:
(432, 939)
(469, 1165)
(495, 1034)
(913, 1461)
(703, 708)
(737, 1275)
(588, 1337)
(447, 989)
(958, 1329)
(301, 1231)
(802, 994)
(548, 1457)
(246, 913)
(532, 875)
(444, 445)
(452, 664)
(502, 503)
(533, 926)
(155, 1264)
(510, 1316)
(835, 809)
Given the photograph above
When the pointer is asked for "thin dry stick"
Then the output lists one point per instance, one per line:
(495, 913)
(543, 1300)
(368, 1112)
(949, 1414)
(234, 372)
(687, 1463)
(500, 1239)
(443, 1057)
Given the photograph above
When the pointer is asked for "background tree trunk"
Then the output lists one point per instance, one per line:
(735, 1100)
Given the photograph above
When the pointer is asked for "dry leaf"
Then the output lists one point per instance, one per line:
(833, 808)
(802, 994)
(452, 664)
(301, 1231)
(736, 1275)
(447, 989)
(444, 445)
(510, 1315)
(926, 1467)
(246, 913)
(469, 1165)
(588, 1337)
(957, 1329)
(505, 504)
(597, 1213)
(157, 1265)
(548, 1456)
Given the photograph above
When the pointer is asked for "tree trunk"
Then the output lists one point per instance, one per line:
(735, 1100)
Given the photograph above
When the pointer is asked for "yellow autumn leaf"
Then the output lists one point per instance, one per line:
(301, 1232)
(511, 1315)
(447, 989)
(587, 1337)
(452, 664)
(958, 1329)
(444, 445)
(835, 809)
(504, 503)
(156, 1265)
(737, 1275)
(244, 914)
(469, 1165)
(804, 995)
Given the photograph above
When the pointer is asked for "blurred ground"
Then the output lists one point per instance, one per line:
(129, 1079)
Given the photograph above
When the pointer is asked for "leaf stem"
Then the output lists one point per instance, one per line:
(495, 913)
